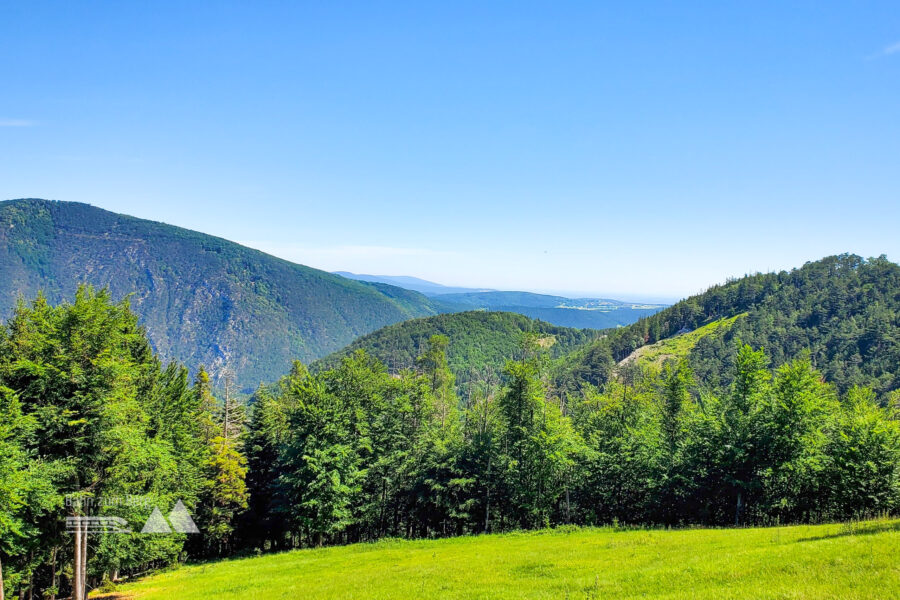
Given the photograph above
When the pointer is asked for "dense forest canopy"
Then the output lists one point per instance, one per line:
(844, 310)
(90, 420)
(480, 342)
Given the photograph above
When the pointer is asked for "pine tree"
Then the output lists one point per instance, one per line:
(224, 495)
(740, 436)
(264, 524)
(87, 381)
(433, 363)
(13, 481)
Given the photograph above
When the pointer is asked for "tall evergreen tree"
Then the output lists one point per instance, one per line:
(740, 457)
(86, 378)
(224, 495)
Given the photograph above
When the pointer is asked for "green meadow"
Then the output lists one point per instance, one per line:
(845, 561)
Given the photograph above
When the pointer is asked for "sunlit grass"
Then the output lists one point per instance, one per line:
(814, 562)
(679, 345)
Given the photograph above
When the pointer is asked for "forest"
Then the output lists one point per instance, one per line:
(482, 343)
(844, 310)
(357, 452)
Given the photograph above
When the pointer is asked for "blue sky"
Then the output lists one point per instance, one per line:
(642, 151)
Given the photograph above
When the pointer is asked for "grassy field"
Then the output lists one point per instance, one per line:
(679, 345)
(817, 562)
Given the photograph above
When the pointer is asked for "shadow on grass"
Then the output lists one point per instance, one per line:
(849, 530)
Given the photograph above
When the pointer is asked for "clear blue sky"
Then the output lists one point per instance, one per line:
(638, 151)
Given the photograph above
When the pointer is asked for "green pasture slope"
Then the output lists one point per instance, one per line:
(849, 561)
(679, 346)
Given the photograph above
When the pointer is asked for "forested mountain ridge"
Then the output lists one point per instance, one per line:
(480, 342)
(204, 300)
(844, 310)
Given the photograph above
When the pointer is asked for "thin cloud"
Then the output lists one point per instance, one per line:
(16, 123)
(886, 51)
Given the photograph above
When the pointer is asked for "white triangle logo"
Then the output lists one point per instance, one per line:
(156, 523)
(181, 519)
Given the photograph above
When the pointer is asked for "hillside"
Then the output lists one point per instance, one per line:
(203, 299)
(479, 340)
(679, 345)
(844, 310)
(807, 562)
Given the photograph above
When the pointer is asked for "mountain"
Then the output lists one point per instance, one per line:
(581, 313)
(844, 310)
(203, 299)
(494, 299)
(480, 341)
(423, 286)
(580, 318)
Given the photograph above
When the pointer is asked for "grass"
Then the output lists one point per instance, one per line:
(679, 345)
(800, 562)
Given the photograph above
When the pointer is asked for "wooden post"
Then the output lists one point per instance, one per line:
(77, 590)
(487, 508)
(1, 579)
(84, 561)
(227, 408)
(53, 578)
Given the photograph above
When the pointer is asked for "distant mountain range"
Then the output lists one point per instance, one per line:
(842, 311)
(208, 301)
(582, 313)
(429, 288)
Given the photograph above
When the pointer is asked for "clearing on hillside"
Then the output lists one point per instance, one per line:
(679, 345)
(849, 561)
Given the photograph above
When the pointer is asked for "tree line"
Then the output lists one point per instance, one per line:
(482, 342)
(93, 425)
(357, 453)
